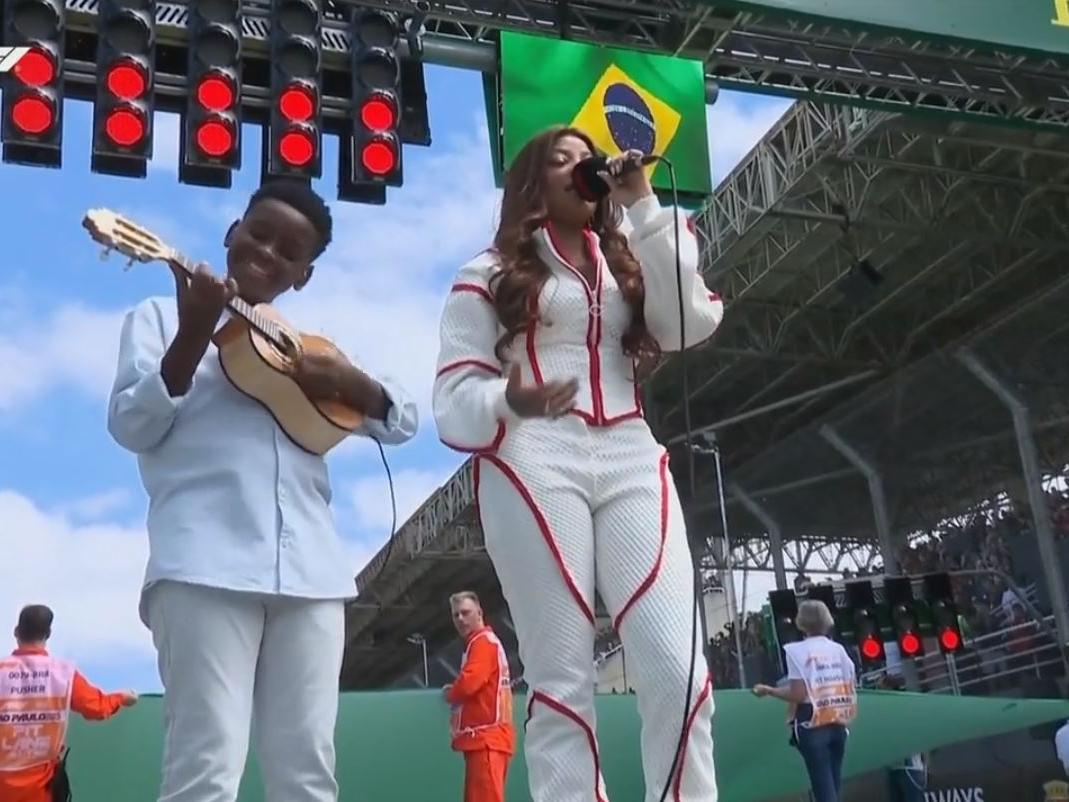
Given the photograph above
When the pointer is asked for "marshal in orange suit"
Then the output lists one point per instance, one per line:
(37, 693)
(481, 700)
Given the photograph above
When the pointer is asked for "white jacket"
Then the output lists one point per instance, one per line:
(579, 334)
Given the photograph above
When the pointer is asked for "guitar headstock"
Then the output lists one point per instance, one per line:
(118, 233)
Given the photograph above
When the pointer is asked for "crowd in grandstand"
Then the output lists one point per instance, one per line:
(999, 538)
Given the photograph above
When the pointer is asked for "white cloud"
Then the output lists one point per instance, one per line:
(90, 575)
(378, 291)
(98, 506)
(370, 497)
(736, 123)
(75, 346)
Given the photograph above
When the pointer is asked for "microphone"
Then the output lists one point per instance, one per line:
(592, 187)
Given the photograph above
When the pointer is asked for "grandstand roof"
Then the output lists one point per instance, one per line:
(856, 252)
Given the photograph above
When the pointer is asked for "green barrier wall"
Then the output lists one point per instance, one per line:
(395, 745)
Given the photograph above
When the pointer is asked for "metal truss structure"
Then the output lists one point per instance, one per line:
(741, 49)
(779, 53)
(849, 243)
(962, 229)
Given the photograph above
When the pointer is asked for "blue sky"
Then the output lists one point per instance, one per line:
(71, 503)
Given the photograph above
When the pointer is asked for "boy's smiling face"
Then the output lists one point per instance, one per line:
(270, 250)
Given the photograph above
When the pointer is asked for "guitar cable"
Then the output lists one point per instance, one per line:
(393, 514)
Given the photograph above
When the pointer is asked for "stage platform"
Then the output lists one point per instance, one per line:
(395, 745)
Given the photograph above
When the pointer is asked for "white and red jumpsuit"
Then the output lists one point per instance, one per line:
(586, 501)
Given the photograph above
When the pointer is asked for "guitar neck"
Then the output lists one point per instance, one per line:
(238, 306)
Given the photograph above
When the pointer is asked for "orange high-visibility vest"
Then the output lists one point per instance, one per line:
(35, 700)
(482, 697)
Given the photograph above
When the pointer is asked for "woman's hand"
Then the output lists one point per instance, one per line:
(549, 400)
(762, 690)
(626, 188)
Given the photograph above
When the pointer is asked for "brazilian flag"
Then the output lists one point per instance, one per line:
(621, 98)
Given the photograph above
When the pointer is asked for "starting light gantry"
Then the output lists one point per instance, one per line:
(354, 70)
(217, 63)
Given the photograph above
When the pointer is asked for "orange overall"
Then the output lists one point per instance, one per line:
(22, 688)
(482, 717)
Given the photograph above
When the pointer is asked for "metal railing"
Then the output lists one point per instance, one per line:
(989, 663)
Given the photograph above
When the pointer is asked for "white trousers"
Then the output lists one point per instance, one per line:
(227, 659)
(566, 508)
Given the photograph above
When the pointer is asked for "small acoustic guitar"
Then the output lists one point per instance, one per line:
(258, 350)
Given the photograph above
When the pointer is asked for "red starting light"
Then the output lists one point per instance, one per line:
(124, 127)
(215, 93)
(296, 148)
(871, 648)
(296, 104)
(378, 113)
(379, 157)
(214, 138)
(36, 68)
(910, 644)
(33, 114)
(126, 80)
(950, 640)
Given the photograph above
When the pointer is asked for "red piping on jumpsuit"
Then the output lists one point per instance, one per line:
(706, 689)
(567, 712)
(647, 583)
(475, 288)
(595, 346)
(498, 437)
(543, 527)
(462, 363)
(593, 330)
(532, 352)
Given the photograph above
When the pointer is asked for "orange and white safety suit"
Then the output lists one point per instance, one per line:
(37, 693)
(481, 720)
(587, 501)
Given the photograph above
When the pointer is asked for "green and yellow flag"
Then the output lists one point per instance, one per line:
(621, 98)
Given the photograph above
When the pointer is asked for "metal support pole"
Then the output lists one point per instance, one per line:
(775, 536)
(1033, 478)
(879, 500)
(426, 671)
(446, 665)
(419, 640)
(728, 573)
(723, 423)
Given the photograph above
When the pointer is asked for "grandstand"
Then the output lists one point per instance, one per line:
(888, 278)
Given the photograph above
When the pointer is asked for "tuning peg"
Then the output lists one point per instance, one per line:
(129, 264)
(104, 254)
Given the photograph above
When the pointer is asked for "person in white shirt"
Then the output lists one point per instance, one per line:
(822, 692)
(1061, 746)
(246, 580)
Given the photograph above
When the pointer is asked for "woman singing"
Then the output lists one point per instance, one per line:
(542, 339)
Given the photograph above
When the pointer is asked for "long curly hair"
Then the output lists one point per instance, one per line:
(516, 286)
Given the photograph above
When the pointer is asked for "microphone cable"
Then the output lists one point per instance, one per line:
(587, 181)
(697, 587)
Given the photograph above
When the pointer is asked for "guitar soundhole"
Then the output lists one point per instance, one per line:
(288, 347)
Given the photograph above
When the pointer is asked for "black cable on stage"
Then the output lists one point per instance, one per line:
(697, 589)
(393, 511)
